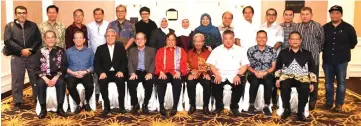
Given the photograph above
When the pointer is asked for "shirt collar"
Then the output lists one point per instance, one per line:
(272, 25)
(202, 50)
(81, 27)
(229, 48)
(141, 50)
(110, 46)
(222, 26)
(56, 23)
(74, 48)
(289, 49)
(289, 24)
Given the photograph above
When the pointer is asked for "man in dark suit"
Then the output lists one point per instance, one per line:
(110, 64)
(140, 67)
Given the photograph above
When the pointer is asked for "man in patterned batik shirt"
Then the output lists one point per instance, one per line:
(54, 25)
(262, 60)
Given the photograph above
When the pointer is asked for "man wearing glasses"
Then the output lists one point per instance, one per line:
(22, 39)
(78, 16)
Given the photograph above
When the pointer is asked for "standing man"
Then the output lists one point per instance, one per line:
(80, 69)
(145, 25)
(274, 39)
(288, 26)
(54, 25)
(227, 18)
(96, 32)
(312, 40)
(78, 16)
(141, 69)
(262, 60)
(110, 64)
(295, 68)
(22, 39)
(340, 38)
(228, 62)
(247, 30)
(124, 29)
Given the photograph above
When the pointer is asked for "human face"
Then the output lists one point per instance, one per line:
(271, 16)
(248, 14)
(121, 13)
(140, 40)
(145, 16)
(288, 16)
(261, 39)
(52, 14)
(98, 16)
(205, 21)
(306, 16)
(110, 38)
(295, 41)
(185, 23)
(164, 23)
(78, 17)
(336, 16)
(79, 39)
(21, 15)
(227, 19)
(171, 41)
(49, 39)
(198, 42)
(228, 40)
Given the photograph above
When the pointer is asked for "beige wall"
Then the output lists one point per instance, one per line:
(357, 18)
(67, 8)
(34, 10)
(3, 18)
(319, 9)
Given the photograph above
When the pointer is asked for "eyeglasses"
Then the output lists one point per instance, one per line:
(273, 15)
(19, 13)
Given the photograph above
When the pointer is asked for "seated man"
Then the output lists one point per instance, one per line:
(198, 72)
(262, 60)
(170, 66)
(228, 63)
(295, 67)
(110, 63)
(80, 60)
(51, 72)
(141, 69)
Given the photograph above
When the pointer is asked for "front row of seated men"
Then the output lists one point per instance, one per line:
(226, 64)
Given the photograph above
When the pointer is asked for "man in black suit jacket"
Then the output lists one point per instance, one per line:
(110, 64)
(141, 69)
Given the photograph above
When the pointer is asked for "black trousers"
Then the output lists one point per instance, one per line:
(302, 90)
(103, 85)
(313, 95)
(88, 84)
(237, 92)
(147, 84)
(60, 90)
(267, 82)
(162, 86)
(191, 87)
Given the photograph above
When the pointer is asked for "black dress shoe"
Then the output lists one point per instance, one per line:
(311, 107)
(337, 108)
(205, 110)
(251, 110)
(17, 107)
(61, 112)
(267, 111)
(173, 111)
(235, 112)
(122, 110)
(105, 113)
(145, 109)
(327, 106)
(218, 110)
(135, 109)
(88, 108)
(42, 111)
(191, 110)
(162, 111)
(301, 117)
(77, 110)
(286, 114)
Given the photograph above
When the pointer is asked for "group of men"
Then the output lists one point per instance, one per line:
(279, 56)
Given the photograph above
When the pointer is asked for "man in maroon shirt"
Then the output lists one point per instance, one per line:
(78, 16)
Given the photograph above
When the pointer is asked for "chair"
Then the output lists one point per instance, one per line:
(293, 103)
(51, 101)
(81, 90)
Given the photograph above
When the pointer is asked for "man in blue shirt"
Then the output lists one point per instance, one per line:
(80, 69)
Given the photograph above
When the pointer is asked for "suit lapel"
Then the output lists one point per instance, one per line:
(107, 52)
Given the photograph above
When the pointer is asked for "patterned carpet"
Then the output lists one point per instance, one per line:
(351, 115)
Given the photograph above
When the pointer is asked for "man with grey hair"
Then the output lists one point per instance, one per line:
(198, 72)
(110, 63)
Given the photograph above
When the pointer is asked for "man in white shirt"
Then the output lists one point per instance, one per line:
(246, 31)
(228, 63)
(274, 39)
(96, 31)
(273, 29)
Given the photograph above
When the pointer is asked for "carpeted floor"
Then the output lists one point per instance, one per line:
(351, 115)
